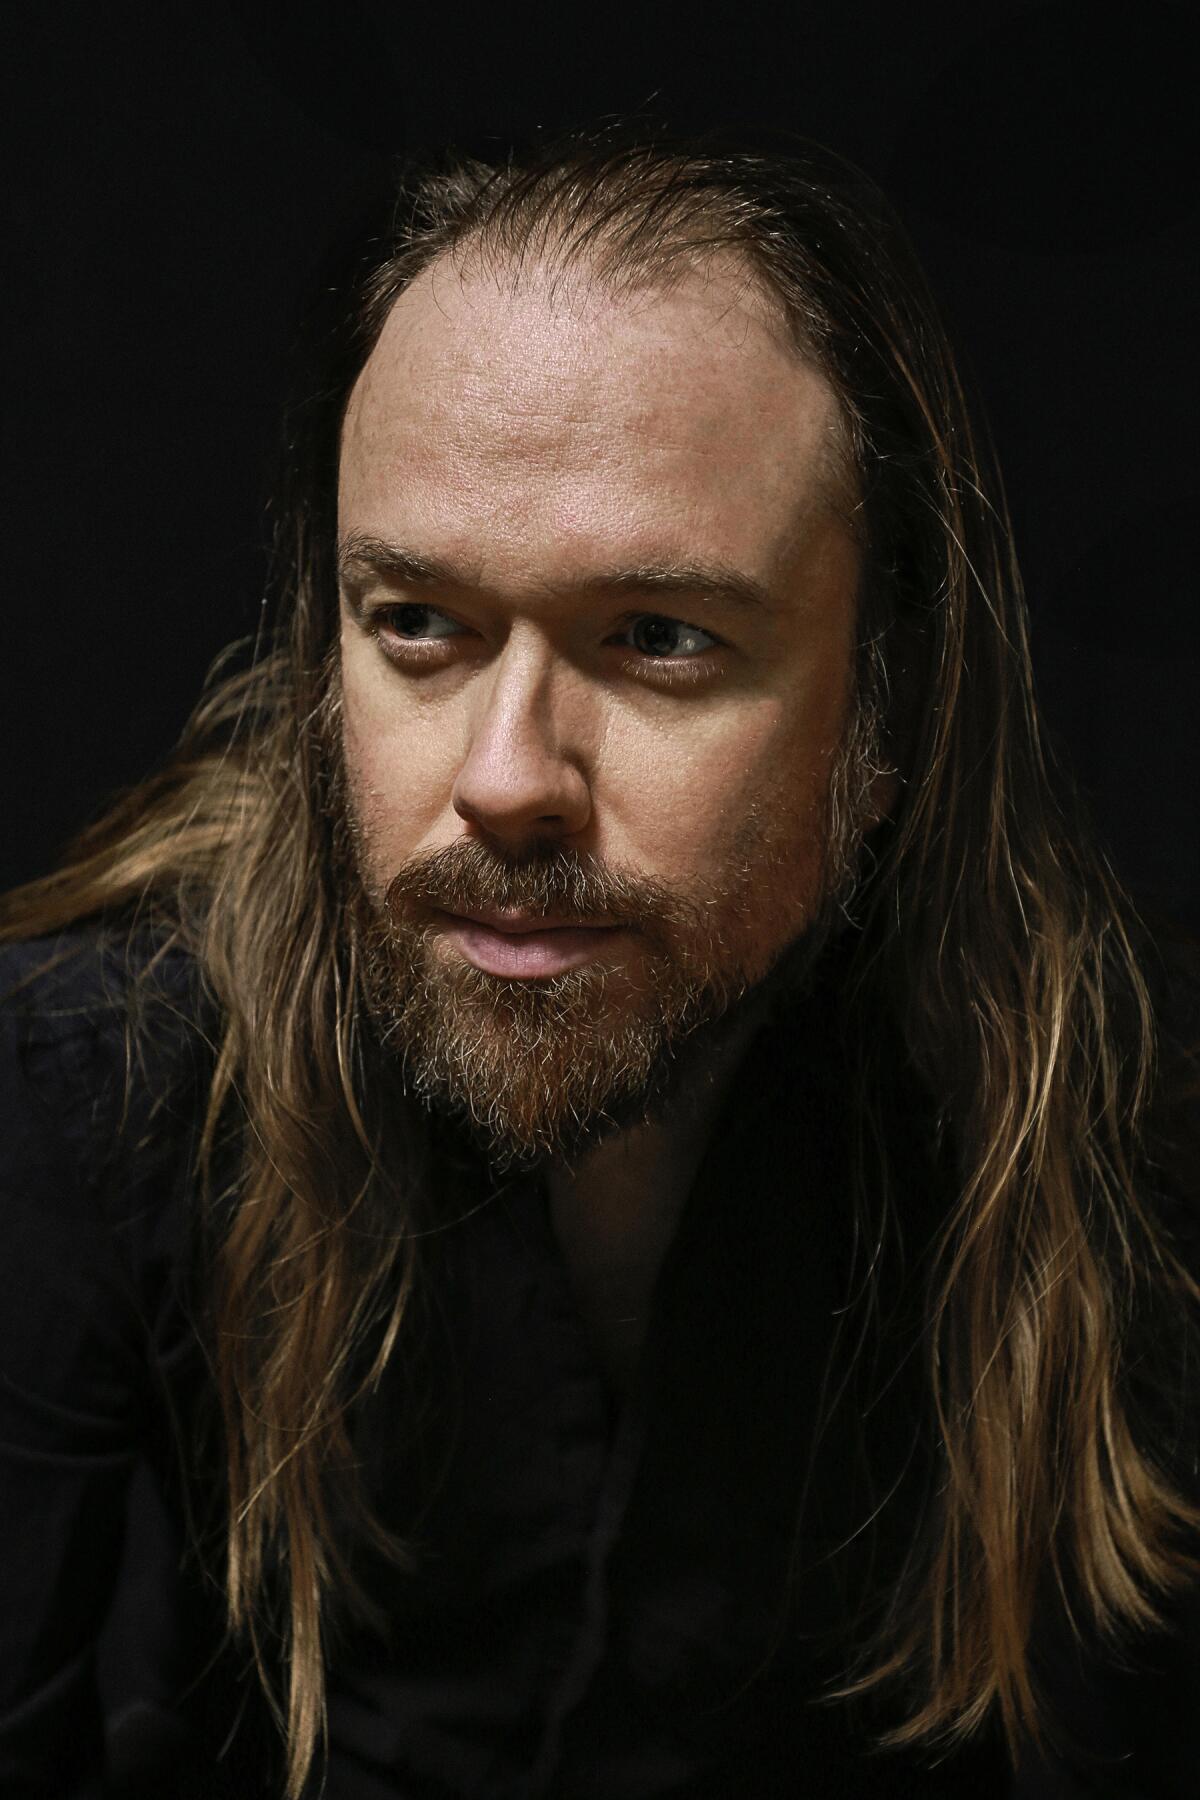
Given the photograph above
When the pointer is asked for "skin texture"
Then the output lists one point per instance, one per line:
(536, 435)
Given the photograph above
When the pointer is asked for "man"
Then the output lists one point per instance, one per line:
(586, 1173)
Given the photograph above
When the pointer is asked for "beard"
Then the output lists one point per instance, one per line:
(540, 1071)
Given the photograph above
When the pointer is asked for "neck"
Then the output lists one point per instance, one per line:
(615, 1212)
(633, 1165)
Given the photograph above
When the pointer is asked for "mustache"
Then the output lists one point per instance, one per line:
(549, 878)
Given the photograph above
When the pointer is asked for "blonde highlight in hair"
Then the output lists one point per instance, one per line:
(991, 937)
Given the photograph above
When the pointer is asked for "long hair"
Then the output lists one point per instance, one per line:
(992, 939)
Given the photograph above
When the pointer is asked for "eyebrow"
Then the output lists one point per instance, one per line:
(360, 554)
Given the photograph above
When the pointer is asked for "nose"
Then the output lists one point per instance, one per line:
(519, 778)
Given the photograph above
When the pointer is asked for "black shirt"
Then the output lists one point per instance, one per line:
(600, 1604)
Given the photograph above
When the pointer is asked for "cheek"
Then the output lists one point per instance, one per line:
(395, 768)
(749, 785)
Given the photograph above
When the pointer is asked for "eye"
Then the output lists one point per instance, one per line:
(407, 619)
(411, 634)
(659, 635)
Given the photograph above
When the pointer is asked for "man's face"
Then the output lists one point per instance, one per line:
(559, 693)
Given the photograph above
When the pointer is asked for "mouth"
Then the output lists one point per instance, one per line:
(526, 944)
(516, 921)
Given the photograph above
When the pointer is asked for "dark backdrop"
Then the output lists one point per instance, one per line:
(176, 171)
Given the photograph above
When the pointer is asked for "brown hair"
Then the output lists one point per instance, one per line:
(988, 932)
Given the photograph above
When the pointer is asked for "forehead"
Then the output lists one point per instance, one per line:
(534, 408)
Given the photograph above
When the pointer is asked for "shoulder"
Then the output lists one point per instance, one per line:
(73, 1003)
(90, 970)
(105, 1058)
(105, 1066)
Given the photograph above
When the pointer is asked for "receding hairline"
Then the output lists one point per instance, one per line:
(498, 254)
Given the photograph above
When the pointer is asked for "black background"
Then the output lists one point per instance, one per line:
(177, 171)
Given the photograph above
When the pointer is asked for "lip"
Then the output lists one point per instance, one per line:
(528, 946)
(516, 922)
